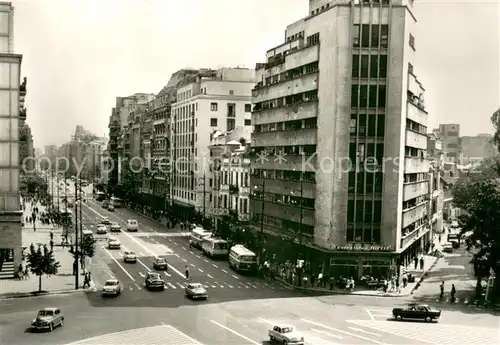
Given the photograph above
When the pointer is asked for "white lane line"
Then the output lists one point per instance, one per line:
(184, 248)
(344, 332)
(192, 265)
(266, 321)
(131, 288)
(142, 274)
(185, 260)
(182, 286)
(205, 260)
(144, 247)
(220, 285)
(230, 286)
(138, 287)
(223, 270)
(370, 314)
(172, 285)
(143, 265)
(326, 333)
(199, 257)
(214, 286)
(236, 333)
(119, 265)
(363, 331)
(199, 269)
(215, 265)
(167, 274)
(209, 276)
(191, 252)
(235, 277)
(140, 254)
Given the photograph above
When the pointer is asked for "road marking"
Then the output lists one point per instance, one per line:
(343, 332)
(326, 333)
(205, 260)
(191, 252)
(223, 270)
(192, 265)
(199, 257)
(172, 285)
(214, 286)
(370, 314)
(143, 265)
(184, 248)
(185, 260)
(142, 274)
(215, 265)
(182, 286)
(266, 321)
(130, 288)
(119, 265)
(363, 331)
(141, 254)
(235, 277)
(167, 274)
(236, 333)
(220, 285)
(138, 287)
(199, 269)
(209, 276)
(230, 286)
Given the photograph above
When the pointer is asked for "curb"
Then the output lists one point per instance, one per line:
(424, 274)
(46, 293)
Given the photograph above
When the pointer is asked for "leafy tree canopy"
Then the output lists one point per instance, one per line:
(41, 261)
(31, 184)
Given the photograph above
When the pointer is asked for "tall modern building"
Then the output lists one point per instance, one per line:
(209, 101)
(12, 92)
(340, 138)
(450, 137)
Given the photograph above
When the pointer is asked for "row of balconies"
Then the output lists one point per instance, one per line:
(233, 189)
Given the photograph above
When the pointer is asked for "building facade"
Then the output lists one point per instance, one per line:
(347, 178)
(210, 100)
(229, 178)
(450, 137)
(12, 93)
(473, 149)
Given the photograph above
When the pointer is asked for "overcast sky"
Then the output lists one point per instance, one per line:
(80, 54)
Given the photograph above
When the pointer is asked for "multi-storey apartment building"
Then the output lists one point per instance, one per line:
(211, 100)
(450, 136)
(229, 179)
(340, 133)
(12, 112)
(473, 149)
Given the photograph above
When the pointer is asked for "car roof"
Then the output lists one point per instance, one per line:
(112, 281)
(283, 325)
(129, 252)
(195, 284)
(49, 309)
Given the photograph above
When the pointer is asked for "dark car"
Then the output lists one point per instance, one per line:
(154, 281)
(416, 312)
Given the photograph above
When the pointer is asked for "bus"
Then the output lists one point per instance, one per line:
(116, 202)
(215, 247)
(242, 259)
(197, 236)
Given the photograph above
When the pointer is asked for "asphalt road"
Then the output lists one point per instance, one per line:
(320, 321)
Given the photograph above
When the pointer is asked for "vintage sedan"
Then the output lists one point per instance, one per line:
(416, 312)
(129, 257)
(114, 243)
(285, 334)
(111, 287)
(160, 264)
(196, 291)
(105, 221)
(115, 227)
(101, 229)
(48, 319)
(154, 281)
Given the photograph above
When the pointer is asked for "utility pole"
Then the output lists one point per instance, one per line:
(52, 189)
(76, 240)
(57, 182)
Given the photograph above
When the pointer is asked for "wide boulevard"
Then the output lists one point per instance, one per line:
(240, 309)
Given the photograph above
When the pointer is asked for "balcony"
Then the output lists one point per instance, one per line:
(413, 214)
(416, 165)
(23, 87)
(244, 190)
(415, 139)
(302, 111)
(413, 236)
(303, 83)
(416, 114)
(302, 57)
(233, 189)
(306, 136)
(22, 114)
(413, 190)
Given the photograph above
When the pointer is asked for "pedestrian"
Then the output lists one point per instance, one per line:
(51, 243)
(415, 261)
(405, 280)
(51, 235)
(186, 272)
(26, 272)
(453, 293)
(441, 288)
(20, 272)
(320, 279)
(422, 263)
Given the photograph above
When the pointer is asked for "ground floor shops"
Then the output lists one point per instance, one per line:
(11, 250)
(182, 212)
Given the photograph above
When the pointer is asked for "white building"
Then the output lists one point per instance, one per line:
(212, 100)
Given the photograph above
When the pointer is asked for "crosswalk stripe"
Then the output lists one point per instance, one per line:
(172, 285)
(181, 286)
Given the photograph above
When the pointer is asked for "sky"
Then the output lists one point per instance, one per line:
(80, 54)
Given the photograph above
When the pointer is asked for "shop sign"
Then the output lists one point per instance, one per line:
(367, 248)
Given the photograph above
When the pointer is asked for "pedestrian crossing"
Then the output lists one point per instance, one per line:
(164, 335)
(434, 333)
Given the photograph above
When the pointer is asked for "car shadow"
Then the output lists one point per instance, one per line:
(410, 320)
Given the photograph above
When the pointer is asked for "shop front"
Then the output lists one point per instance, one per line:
(183, 212)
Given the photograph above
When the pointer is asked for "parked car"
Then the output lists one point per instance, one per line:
(129, 256)
(285, 334)
(196, 290)
(48, 319)
(160, 264)
(111, 287)
(115, 227)
(416, 312)
(154, 281)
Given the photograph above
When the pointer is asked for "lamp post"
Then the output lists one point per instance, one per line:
(76, 239)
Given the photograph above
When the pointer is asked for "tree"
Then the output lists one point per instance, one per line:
(32, 184)
(87, 249)
(481, 222)
(41, 261)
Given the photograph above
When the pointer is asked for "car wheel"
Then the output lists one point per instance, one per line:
(285, 342)
(399, 317)
(428, 319)
(271, 339)
(62, 322)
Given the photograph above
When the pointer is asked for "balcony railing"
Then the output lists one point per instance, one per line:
(23, 86)
(233, 189)
(22, 114)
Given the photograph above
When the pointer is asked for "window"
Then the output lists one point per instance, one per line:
(384, 36)
(353, 124)
(356, 35)
(213, 122)
(381, 96)
(231, 124)
(231, 110)
(4, 23)
(412, 42)
(375, 36)
(213, 106)
(248, 108)
(378, 66)
(231, 92)
(365, 36)
(248, 122)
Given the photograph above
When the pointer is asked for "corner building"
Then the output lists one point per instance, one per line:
(343, 88)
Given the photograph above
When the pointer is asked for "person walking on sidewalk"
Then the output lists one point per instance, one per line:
(422, 263)
(415, 262)
(453, 293)
(186, 272)
(441, 288)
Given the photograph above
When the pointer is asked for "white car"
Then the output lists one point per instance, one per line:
(111, 287)
(129, 256)
(114, 243)
(105, 220)
(115, 227)
(132, 225)
(285, 334)
(101, 229)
